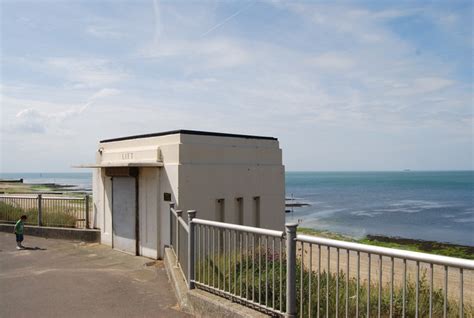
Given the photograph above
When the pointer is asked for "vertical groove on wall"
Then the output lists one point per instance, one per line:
(137, 217)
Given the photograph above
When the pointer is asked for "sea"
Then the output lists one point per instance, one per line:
(424, 205)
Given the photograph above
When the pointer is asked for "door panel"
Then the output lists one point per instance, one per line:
(123, 214)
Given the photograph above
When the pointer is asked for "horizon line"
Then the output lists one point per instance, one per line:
(398, 170)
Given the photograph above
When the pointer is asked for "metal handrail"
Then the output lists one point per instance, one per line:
(63, 198)
(29, 196)
(16, 196)
(180, 219)
(183, 224)
(173, 210)
(390, 252)
(242, 228)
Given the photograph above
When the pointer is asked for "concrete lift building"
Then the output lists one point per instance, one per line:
(225, 177)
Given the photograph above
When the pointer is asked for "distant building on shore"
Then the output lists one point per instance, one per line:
(225, 177)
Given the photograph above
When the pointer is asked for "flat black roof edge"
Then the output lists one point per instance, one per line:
(188, 132)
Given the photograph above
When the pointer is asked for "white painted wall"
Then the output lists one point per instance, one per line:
(97, 199)
(106, 237)
(148, 206)
(169, 184)
(227, 168)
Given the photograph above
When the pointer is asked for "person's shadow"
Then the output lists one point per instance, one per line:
(36, 248)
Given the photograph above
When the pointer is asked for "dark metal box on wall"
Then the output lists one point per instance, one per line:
(121, 171)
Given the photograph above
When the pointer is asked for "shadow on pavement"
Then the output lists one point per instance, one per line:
(36, 248)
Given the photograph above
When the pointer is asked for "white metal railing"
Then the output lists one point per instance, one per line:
(273, 271)
(346, 300)
(46, 210)
(241, 262)
(179, 239)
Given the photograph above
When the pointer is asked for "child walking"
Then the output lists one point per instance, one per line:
(19, 232)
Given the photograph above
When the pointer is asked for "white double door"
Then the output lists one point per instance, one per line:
(124, 199)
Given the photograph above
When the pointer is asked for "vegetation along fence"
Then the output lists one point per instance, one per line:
(286, 274)
(44, 210)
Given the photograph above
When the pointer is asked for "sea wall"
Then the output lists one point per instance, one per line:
(85, 235)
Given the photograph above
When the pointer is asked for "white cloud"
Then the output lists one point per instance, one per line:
(86, 72)
(430, 84)
(157, 21)
(195, 53)
(332, 61)
(105, 92)
(227, 19)
(215, 53)
(104, 32)
(416, 87)
(32, 120)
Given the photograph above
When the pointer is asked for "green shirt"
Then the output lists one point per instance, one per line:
(19, 227)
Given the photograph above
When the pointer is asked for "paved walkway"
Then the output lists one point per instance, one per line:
(56, 278)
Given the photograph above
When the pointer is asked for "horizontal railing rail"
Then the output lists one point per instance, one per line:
(46, 210)
(44, 196)
(241, 228)
(282, 273)
(19, 196)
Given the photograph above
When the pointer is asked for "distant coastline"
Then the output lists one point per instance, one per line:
(54, 183)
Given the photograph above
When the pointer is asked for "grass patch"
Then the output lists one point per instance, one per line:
(40, 188)
(10, 213)
(446, 249)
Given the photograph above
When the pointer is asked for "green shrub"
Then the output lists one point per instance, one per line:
(10, 213)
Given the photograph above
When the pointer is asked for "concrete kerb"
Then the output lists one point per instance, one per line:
(201, 303)
(85, 235)
(177, 281)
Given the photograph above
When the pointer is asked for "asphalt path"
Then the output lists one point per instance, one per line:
(58, 278)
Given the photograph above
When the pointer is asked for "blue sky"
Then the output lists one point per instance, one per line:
(344, 85)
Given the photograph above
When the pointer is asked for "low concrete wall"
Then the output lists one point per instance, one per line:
(199, 302)
(85, 235)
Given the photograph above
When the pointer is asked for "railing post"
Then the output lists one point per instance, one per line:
(191, 224)
(40, 210)
(86, 201)
(291, 269)
(179, 213)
